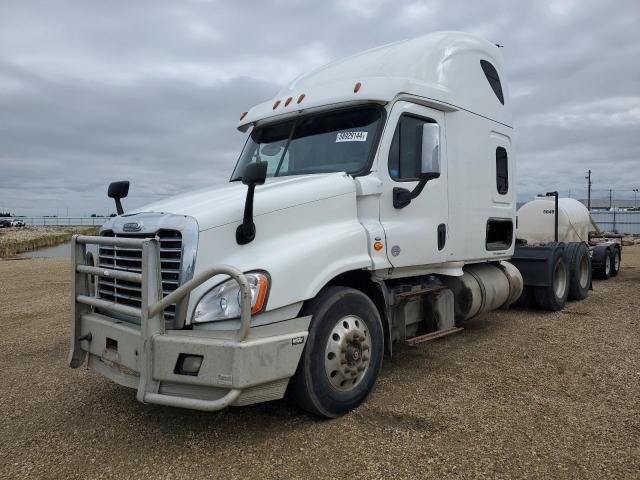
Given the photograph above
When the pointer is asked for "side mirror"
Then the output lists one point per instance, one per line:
(428, 157)
(429, 150)
(254, 174)
(118, 190)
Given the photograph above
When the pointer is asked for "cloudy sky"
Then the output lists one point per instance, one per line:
(150, 91)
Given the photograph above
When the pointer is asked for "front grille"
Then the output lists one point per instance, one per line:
(130, 259)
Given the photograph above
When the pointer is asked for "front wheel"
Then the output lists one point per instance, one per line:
(343, 354)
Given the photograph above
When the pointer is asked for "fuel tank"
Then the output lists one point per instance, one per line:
(484, 287)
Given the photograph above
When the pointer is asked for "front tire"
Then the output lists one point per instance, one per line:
(343, 355)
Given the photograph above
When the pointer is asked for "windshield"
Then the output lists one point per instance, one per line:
(339, 141)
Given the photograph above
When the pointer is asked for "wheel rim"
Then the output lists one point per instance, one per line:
(584, 271)
(607, 264)
(559, 279)
(616, 261)
(348, 352)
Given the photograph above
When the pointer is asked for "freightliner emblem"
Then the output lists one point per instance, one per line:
(132, 227)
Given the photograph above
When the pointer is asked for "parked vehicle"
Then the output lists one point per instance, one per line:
(8, 222)
(16, 222)
(374, 203)
(567, 224)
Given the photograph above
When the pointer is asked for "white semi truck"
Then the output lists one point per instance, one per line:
(374, 202)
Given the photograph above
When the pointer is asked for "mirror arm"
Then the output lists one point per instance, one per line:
(119, 208)
(254, 174)
(418, 190)
(246, 231)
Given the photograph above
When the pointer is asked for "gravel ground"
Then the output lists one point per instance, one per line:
(517, 394)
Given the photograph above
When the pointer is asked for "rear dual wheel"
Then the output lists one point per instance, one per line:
(343, 354)
(615, 261)
(554, 296)
(604, 272)
(579, 270)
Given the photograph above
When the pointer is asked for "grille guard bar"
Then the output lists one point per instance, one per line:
(150, 311)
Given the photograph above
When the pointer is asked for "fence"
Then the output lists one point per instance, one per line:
(621, 222)
(63, 221)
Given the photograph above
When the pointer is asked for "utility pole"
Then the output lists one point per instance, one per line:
(610, 202)
(635, 198)
(588, 177)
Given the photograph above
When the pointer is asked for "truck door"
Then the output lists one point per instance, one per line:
(416, 234)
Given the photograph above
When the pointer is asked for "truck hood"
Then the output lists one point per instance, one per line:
(224, 204)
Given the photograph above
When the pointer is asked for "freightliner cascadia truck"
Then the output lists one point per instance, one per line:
(374, 203)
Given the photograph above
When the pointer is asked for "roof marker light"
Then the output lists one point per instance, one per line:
(356, 87)
(286, 104)
(275, 105)
(244, 114)
(301, 97)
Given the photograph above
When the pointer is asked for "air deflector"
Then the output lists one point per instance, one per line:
(494, 80)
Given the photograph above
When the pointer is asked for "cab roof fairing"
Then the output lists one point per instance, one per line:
(443, 67)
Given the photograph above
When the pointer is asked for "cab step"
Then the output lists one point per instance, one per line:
(432, 336)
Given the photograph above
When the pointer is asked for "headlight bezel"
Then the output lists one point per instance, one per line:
(262, 297)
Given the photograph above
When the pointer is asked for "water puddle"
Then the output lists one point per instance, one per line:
(62, 250)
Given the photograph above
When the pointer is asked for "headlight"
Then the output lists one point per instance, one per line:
(222, 302)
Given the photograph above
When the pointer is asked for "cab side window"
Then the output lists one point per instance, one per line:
(404, 158)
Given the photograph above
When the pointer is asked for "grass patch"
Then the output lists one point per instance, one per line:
(18, 240)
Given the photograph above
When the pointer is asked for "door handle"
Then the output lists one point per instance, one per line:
(442, 236)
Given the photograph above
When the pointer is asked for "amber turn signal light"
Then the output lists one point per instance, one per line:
(378, 246)
(261, 296)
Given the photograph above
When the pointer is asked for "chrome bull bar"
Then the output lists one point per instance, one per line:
(150, 313)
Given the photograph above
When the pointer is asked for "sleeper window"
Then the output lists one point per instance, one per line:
(502, 171)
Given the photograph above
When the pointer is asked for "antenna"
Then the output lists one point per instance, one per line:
(588, 178)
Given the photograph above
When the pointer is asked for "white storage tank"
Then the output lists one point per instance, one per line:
(536, 221)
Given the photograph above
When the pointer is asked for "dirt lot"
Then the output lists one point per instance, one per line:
(517, 394)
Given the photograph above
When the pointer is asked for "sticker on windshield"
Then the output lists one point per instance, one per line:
(351, 137)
